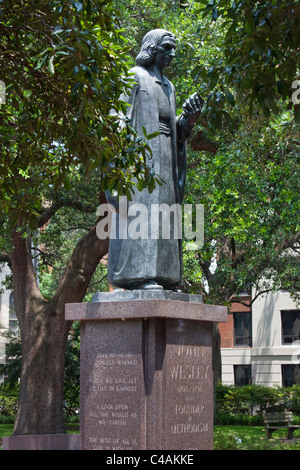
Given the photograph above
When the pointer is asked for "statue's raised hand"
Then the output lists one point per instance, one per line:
(192, 108)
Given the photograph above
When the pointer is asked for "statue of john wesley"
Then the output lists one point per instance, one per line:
(151, 262)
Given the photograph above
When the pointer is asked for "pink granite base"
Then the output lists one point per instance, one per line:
(41, 442)
(146, 373)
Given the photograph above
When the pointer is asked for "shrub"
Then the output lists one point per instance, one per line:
(8, 403)
(242, 419)
(244, 405)
(295, 399)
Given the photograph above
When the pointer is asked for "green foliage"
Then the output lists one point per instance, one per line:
(8, 402)
(64, 65)
(259, 57)
(63, 146)
(56, 241)
(244, 405)
(250, 187)
(9, 391)
(250, 438)
(72, 372)
(294, 399)
(11, 369)
(250, 192)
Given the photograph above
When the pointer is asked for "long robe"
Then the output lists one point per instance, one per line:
(135, 261)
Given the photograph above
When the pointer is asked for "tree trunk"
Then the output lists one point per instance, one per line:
(44, 331)
(40, 408)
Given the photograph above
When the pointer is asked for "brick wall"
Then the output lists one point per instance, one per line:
(226, 329)
(226, 332)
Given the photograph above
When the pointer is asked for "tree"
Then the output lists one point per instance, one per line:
(58, 101)
(11, 369)
(250, 191)
(65, 67)
(59, 146)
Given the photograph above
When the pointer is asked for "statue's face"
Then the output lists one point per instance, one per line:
(165, 52)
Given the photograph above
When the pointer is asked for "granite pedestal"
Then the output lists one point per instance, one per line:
(41, 442)
(146, 370)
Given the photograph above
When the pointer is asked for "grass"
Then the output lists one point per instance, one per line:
(228, 437)
(235, 437)
(5, 430)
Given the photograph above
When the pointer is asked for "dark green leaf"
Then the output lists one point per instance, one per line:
(230, 98)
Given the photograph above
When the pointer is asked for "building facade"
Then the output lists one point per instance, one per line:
(261, 344)
(8, 319)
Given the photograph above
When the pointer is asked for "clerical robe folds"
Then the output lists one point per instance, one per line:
(135, 262)
(151, 262)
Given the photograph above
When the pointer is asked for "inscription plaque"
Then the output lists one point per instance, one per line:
(146, 380)
(189, 414)
(112, 387)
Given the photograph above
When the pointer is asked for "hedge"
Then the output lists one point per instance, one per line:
(233, 404)
(8, 404)
(244, 405)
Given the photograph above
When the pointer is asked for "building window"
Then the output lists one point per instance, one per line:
(290, 374)
(242, 375)
(13, 321)
(290, 323)
(242, 329)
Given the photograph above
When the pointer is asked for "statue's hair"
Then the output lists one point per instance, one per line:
(150, 42)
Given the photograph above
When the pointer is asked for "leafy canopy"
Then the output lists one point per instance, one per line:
(64, 65)
(258, 60)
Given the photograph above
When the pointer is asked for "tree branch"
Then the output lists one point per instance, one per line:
(237, 299)
(51, 210)
(289, 243)
(80, 269)
(43, 255)
(200, 143)
(48, 213)
(26, 291)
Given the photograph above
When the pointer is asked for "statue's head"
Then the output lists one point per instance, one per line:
(151, 44)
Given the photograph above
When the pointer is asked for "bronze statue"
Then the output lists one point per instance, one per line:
(151, 262)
